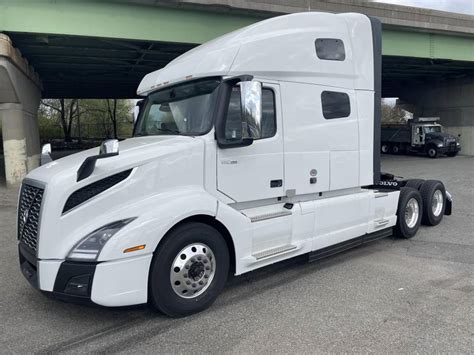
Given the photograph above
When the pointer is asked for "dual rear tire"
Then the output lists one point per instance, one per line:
(420, 202)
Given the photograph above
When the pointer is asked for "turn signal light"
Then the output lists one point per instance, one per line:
(135, 248)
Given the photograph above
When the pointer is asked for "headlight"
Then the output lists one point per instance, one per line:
(88, 249)
(457, 143)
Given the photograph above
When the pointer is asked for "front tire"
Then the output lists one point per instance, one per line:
(432, 152)
(395, 149)
(433, 194)
(409, 212)
(189, 270)
(385, 148)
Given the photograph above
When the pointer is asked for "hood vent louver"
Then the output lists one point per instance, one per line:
(89, 191)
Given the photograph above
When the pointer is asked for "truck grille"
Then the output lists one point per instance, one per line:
(28, 215)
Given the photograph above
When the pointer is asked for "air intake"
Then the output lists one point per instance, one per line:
(87, 192)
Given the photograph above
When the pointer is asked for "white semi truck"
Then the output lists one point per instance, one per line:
(256, 147)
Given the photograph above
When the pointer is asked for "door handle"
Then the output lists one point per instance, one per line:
(276, 183)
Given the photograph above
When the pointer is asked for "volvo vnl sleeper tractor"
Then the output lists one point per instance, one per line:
(256, 147)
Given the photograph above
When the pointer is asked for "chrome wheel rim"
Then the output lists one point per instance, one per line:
(412, 211)
(432, 152)
(193, 270)
(437, 203)
(384, 149)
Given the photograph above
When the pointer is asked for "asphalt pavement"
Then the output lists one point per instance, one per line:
(390, 296)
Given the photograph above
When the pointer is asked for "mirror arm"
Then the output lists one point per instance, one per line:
(87, 167)
(237, 79)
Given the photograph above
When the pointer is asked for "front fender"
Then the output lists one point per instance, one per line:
(436, 142)
(156, 216)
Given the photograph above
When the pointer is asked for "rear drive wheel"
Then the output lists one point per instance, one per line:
(385, 148)
(395, 149)
(410, 206)
(433, 194)
(432, 151)
(189, 270)
(415, 183)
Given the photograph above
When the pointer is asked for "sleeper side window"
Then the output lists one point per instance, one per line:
(335, 104)
(330, 49)
(233, 125)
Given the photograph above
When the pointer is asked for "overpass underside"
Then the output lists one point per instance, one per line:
(101, 50)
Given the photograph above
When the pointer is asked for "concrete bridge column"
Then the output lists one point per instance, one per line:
(453, 102)
(20, 94)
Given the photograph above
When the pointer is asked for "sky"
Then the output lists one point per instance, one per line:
(460, 6)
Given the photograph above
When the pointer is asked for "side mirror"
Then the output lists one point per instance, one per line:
(251, 104)
(46, 154)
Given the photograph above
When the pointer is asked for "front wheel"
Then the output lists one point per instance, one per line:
(385, 148)
(432, 152)
(189, 270)
(409, 212)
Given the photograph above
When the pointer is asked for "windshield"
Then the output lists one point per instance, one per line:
(432, 129)
(185, 109)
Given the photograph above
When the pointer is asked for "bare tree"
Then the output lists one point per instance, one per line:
(67, 111)
(112, 113)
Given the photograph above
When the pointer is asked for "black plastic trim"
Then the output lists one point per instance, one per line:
(28, 265)
(377, 51)
(97, 187)
(348, 244)
(70, 269)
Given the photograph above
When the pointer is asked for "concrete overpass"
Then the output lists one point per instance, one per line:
(102, 49)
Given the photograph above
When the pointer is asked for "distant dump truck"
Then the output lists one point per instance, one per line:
(423, 135)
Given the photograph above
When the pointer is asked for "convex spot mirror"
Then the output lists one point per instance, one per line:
(251, 105)
(109, 147)
(46, 154)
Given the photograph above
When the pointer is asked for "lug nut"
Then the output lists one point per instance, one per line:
(187, 266)
(188, 282)
(201, 282)
(185, 275)
(206, 276)
(194, 285)
(208, 268)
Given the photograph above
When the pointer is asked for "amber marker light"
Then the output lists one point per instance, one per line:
(135, 248)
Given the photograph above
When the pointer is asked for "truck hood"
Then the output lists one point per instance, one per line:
(133, 152)
(439, 135)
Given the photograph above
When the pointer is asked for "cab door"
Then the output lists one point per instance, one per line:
(254, 172)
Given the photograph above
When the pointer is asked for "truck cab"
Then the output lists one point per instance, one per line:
(253, 148)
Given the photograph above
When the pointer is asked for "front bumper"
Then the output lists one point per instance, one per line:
(112, 283)
(449, 148)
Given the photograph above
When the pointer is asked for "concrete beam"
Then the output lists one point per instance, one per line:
(408, 32)
(20, 94)
(401, 17)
